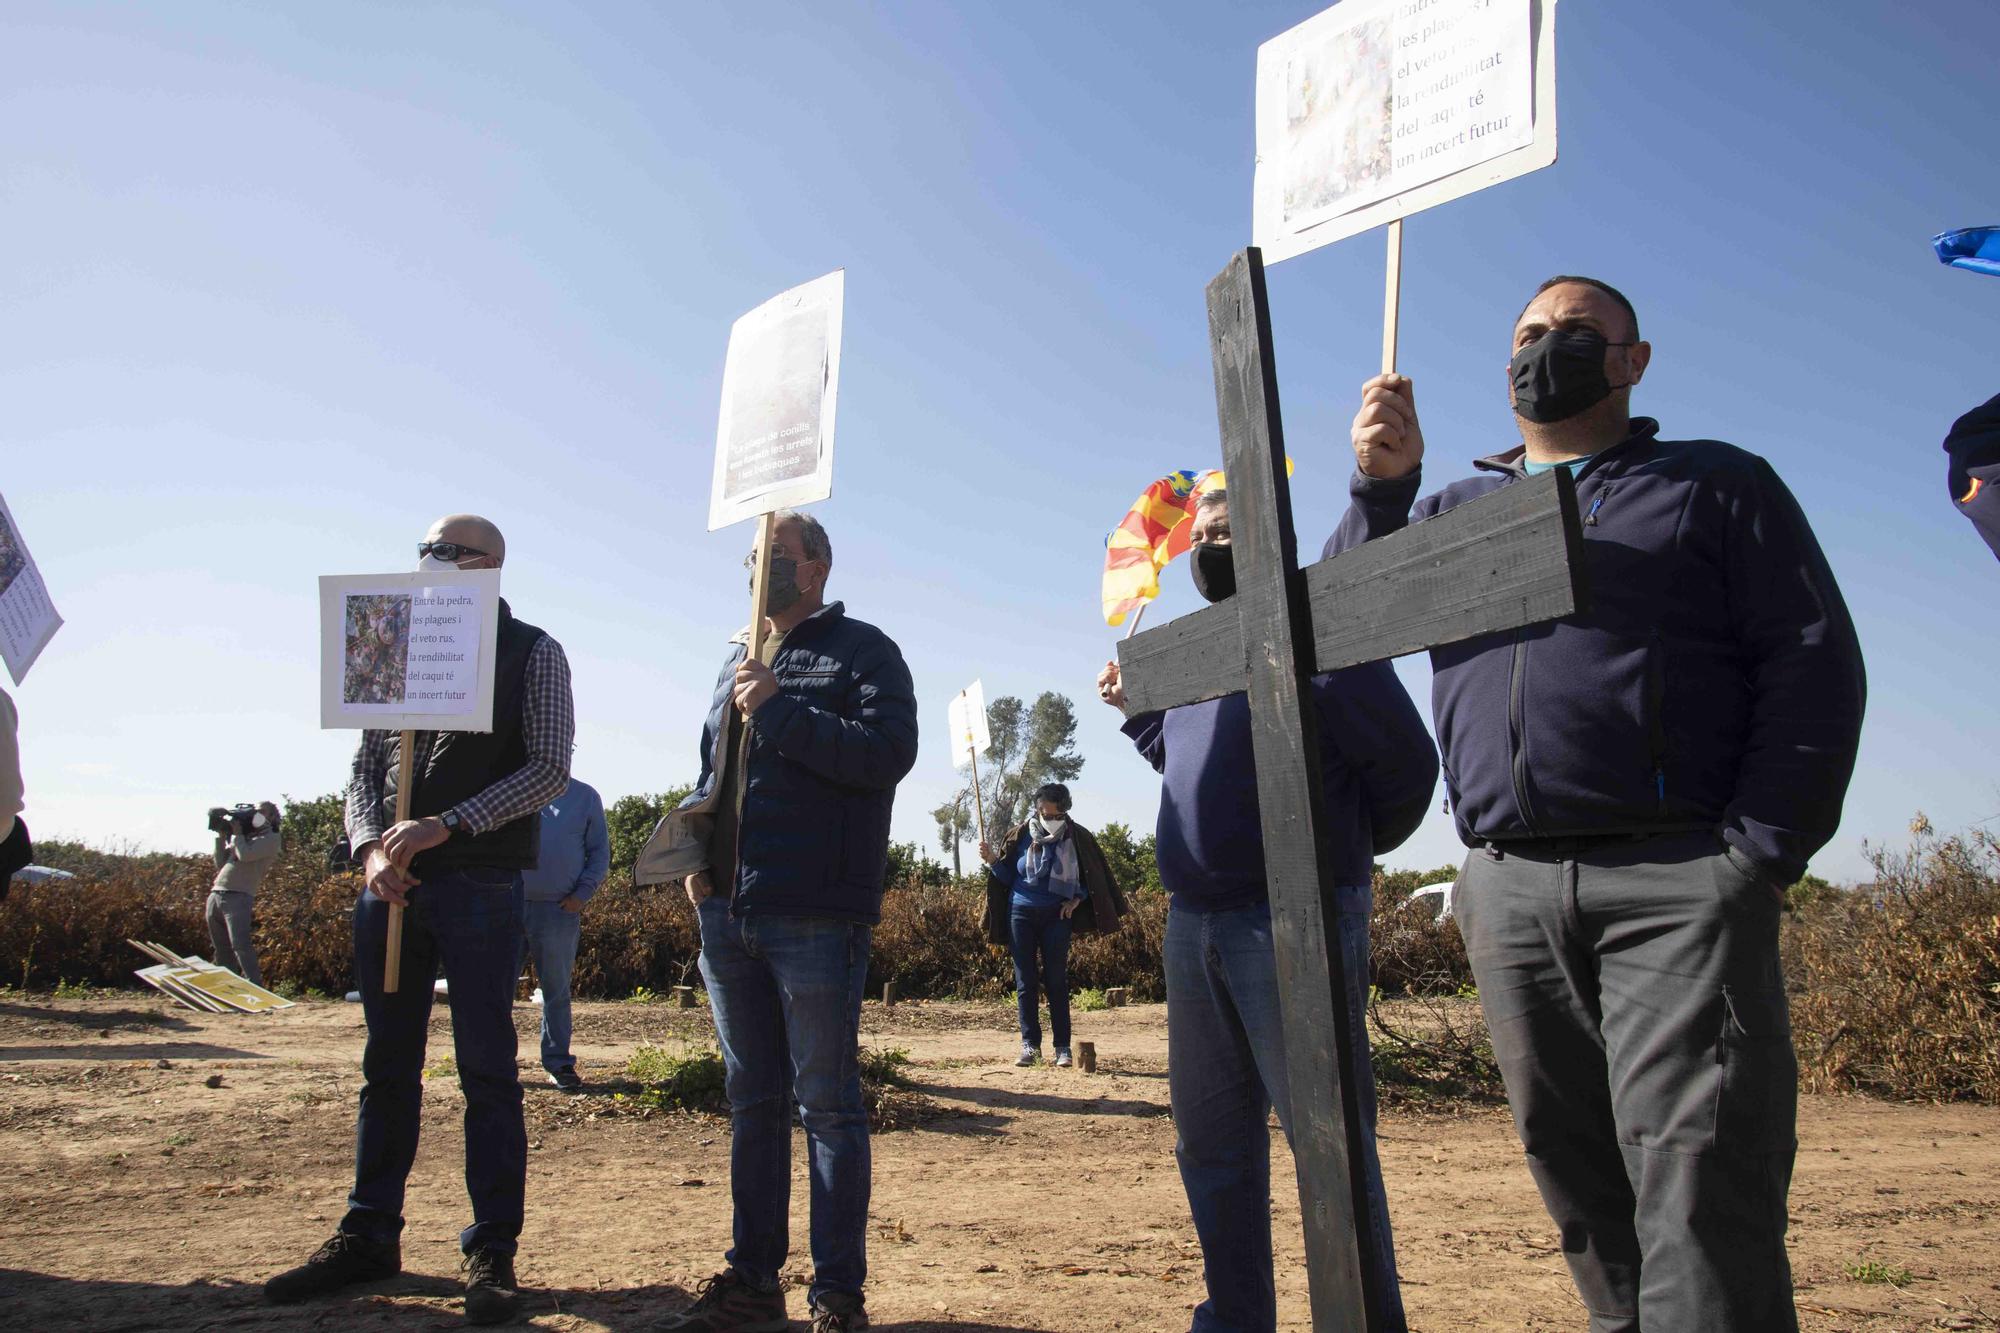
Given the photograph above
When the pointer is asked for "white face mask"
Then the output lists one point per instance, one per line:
(431, 562)
(1051, 828)
(257, 820)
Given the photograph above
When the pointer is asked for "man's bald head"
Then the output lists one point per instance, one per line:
(471, 530)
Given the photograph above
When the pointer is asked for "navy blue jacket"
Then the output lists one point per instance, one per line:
(1378, 768)
(826, 753)
(1974, 474)
(1713, 681)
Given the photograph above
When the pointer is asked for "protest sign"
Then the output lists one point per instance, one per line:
(780, 382)
(408, 651)
(1376, 109)
(28, 619)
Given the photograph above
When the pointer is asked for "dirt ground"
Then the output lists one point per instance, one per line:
(1045, 1200)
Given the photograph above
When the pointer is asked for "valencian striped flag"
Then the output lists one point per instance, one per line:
(1975, 249)
(1154, 530)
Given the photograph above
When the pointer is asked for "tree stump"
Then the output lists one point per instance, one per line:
(1114, 997)
(684, 997)
(1086, 1056)
(888, 992)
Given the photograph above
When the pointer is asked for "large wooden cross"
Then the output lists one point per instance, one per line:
(1504, 561)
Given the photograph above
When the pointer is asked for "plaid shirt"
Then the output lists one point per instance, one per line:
(548, 726)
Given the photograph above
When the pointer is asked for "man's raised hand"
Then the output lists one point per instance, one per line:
(1110, 686)
(1388, 442)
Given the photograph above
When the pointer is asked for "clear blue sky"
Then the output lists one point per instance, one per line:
(283, 282)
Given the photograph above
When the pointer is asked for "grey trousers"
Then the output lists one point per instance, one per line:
(1637, 1010)
(229, 933)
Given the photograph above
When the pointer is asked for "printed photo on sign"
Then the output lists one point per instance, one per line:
(780, 385)
(378, 648)
(408, 651)
(13, 556)
(1375, 109)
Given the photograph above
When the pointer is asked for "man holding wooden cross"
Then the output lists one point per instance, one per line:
(1226, 1062)
(455, 865)
(1639, 781)
(788, 825)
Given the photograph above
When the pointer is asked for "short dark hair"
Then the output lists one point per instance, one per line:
(1054, 793)
(813, 541)
(1601, 286)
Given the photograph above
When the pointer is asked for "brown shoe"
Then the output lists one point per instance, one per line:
(728, 1303)
(838, 1312)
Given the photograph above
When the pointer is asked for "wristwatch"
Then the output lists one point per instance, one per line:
(452, 823)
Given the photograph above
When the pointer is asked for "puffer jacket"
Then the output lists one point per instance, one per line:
(825, 755)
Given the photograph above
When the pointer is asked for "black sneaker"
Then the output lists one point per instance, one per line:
(341, 1262)
(838, 1312)
(727, 1303)
(491, 1294)
(567, 1079)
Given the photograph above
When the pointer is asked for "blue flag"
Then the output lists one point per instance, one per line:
(1976, 249)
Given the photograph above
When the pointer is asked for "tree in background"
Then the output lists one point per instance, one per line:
(311, 827)
(1132, 861)
(630, 820)
(1030, 745)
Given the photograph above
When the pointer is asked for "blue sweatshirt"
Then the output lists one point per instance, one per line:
(1031, 878)
(1378, 768)
(576, 850)
(1974, 472)
(1712, 681)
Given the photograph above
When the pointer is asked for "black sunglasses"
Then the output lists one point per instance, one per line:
(451, 551)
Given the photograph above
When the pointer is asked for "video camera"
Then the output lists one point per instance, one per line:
(226, 821)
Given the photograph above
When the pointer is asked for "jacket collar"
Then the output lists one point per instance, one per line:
(1513, 462)
(831, 611)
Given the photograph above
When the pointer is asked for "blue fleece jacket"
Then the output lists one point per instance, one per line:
(1378, 768)
(1713, 680)
(825, 754)
(576, 848)
(1974, 471)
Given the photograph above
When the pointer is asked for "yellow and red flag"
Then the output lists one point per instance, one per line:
(1154, 530)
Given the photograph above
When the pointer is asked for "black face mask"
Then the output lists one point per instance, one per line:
(1560, 374)
(783, 594)
(1214, 570)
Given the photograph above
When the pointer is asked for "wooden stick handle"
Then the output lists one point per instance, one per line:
(760, 587)
(978, 801)
(392, 957)
(1392, 297)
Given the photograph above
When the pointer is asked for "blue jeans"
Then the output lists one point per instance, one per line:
(1225, 1070)
(468, 921)
(1043, 930)
(786, 991)
(551, 935)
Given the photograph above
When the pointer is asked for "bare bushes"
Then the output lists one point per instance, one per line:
(1895, 986)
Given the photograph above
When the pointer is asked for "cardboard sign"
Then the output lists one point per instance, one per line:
(780, 384)
(968, 725)
(1376, 109)
(408, 652)
(28, 619)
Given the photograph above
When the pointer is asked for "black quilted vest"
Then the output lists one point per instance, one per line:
(453, 766)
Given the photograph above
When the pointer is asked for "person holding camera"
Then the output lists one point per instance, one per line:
(247, 843)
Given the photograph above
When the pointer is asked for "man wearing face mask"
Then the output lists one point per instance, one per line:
(455, 864)
(783, 845)
(1225, 1035)
(1639, 782)
(241, 862)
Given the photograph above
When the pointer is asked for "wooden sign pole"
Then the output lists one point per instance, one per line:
(760, 586)
(978, 801)
(392, 958)
(1392, 297)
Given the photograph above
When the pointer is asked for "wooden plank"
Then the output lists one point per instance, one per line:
(1508, 559)
(1274, 655)
(1193, 657)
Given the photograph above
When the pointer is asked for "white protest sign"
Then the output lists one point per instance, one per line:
(28, 619)
(408, 652)
(780, 382)
(968, 725)
(1376, 109)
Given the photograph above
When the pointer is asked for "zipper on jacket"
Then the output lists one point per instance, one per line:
(1603, 493)
(1517, 724)
(1656, 719)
